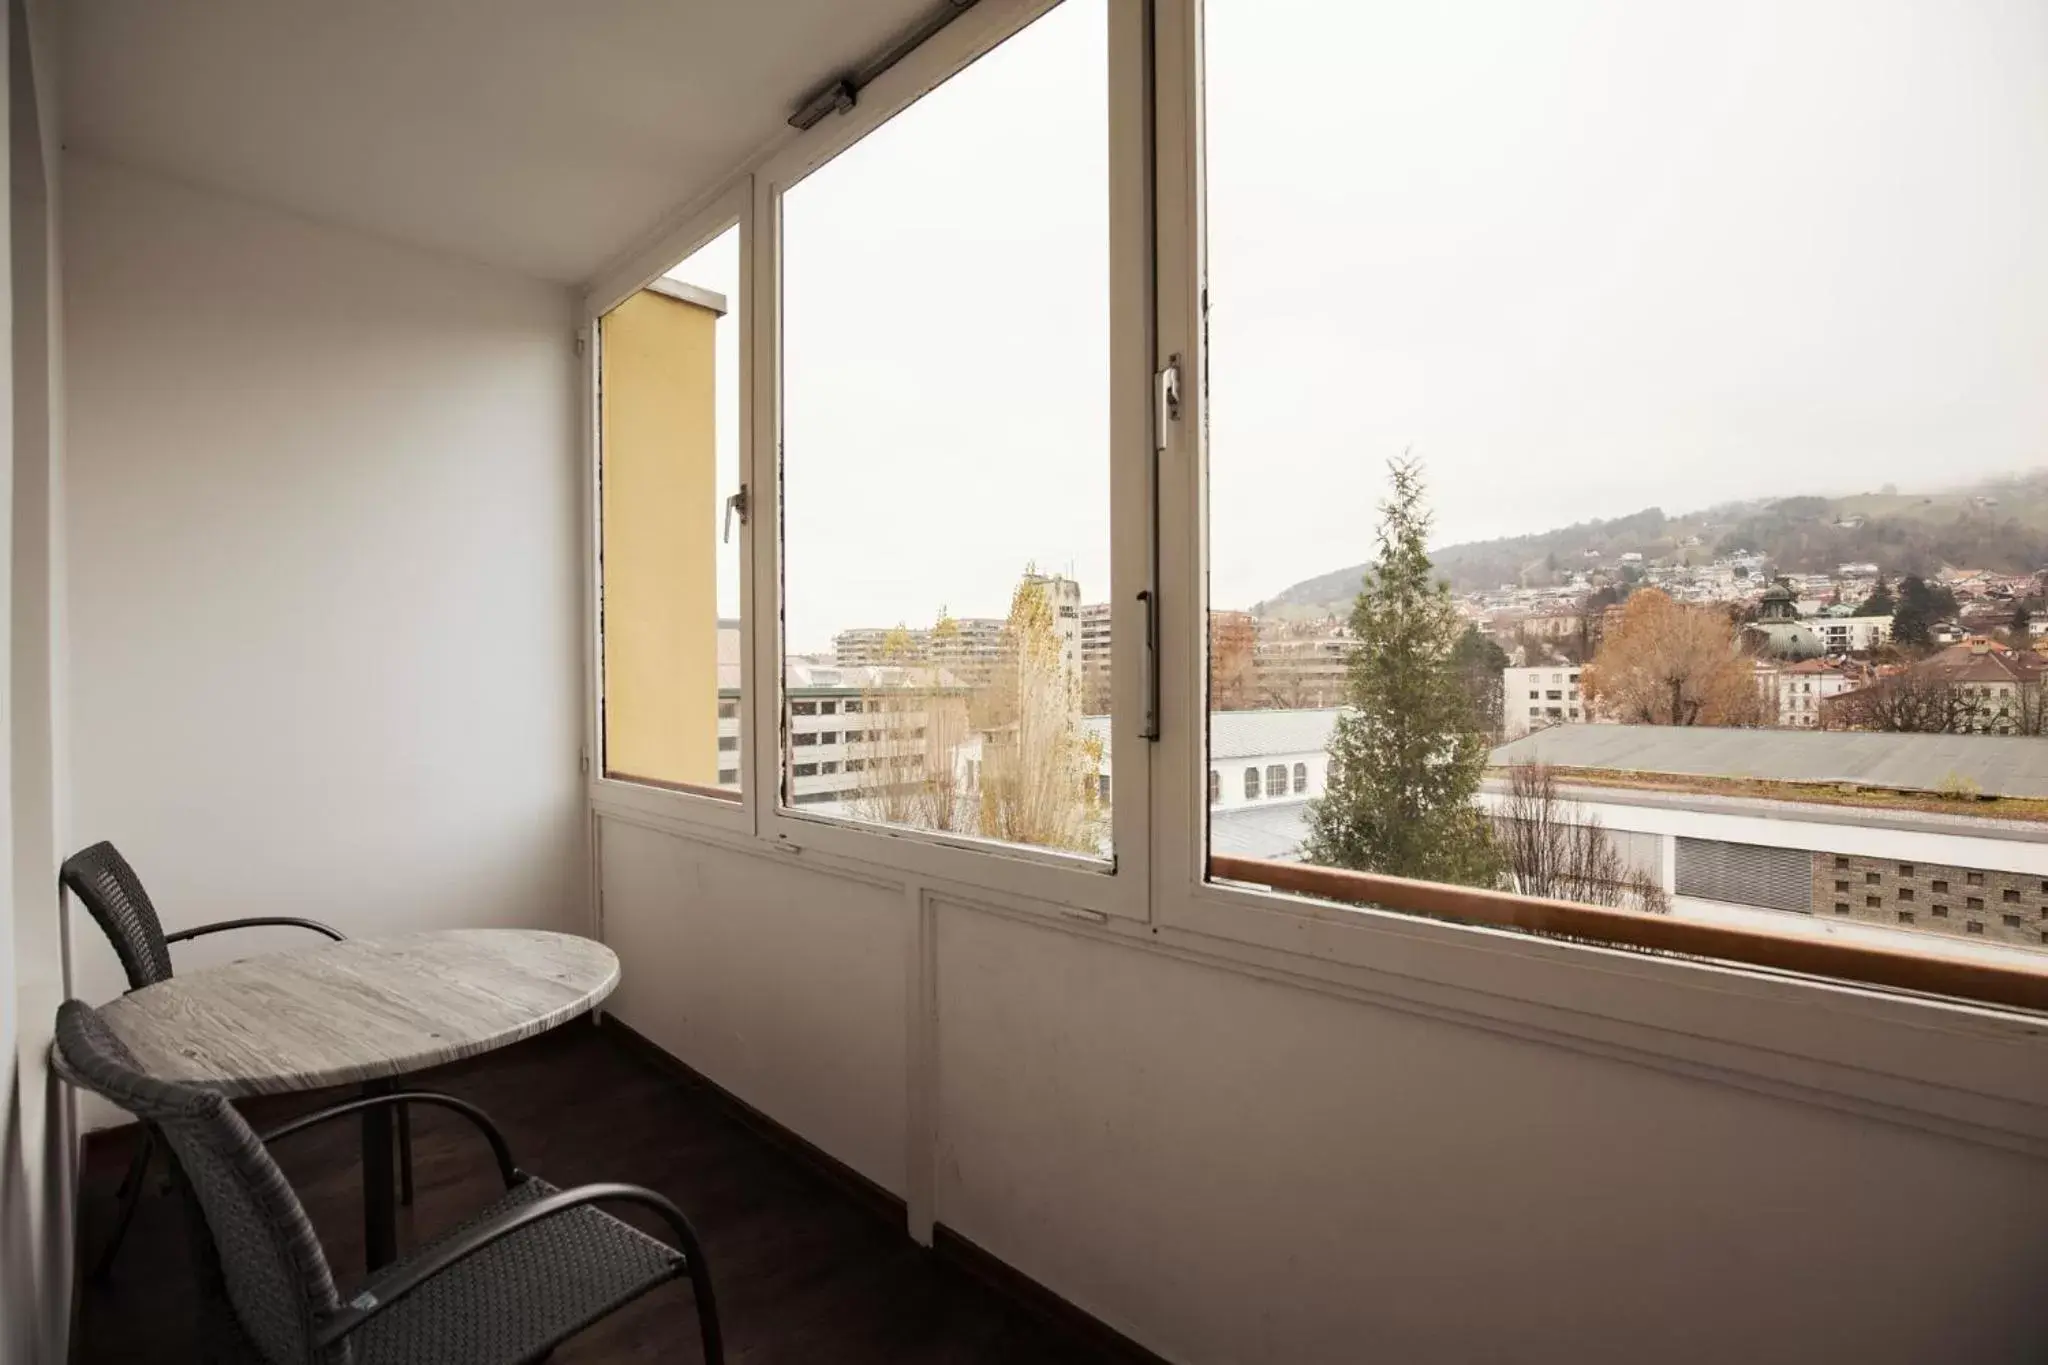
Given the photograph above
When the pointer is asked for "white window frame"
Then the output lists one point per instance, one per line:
(1958, 1067)
(731, 206)
(1115, 889)
(1965, 1070)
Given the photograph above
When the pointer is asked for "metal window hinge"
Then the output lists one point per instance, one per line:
(1169, 400)
(583, 758)
(580, 343)
(736, 503)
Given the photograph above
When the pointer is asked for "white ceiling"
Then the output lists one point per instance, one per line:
(542, 135)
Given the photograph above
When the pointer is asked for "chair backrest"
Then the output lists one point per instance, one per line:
(101, 878)
(275, 1274)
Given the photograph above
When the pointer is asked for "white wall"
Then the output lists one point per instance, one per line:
(323, 517)
(37, 1119)
(1230, 1166)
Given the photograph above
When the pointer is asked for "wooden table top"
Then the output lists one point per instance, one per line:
(359, 1010)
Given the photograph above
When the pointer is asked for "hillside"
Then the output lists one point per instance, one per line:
(2000, 524)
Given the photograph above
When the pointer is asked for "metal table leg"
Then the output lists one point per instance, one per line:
(380, 1218)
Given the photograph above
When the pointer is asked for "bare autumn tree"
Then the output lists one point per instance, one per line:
(1670, 663)
(1912, 701)
(1556, 848)
(1038, 768)
(913, 727)
(1233, 636)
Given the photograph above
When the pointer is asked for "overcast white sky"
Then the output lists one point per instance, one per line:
(1584, 257)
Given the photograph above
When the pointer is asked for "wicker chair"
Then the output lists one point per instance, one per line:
(102, 879)
(525, 1274)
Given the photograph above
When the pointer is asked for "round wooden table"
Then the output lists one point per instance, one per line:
(361, 1011)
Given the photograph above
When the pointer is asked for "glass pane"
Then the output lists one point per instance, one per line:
(1629, 456)
(668, 430)
(945, 414)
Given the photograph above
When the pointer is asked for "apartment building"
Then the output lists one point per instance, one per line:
(1851, 634)
(1538, 696)
(1795, 693)
(846, 725)
(1297, 665)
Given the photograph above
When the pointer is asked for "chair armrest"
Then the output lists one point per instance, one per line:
(499, 1149)
(257, 922)
(395, 1284)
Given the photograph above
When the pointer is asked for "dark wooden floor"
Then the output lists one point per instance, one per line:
(805, 1270)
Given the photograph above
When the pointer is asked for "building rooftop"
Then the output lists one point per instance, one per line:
(1999, 765)
(1272, 831)
(1252, 734)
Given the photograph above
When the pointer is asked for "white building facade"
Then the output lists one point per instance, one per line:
(1536, 697)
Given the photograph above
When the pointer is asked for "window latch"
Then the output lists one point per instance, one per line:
(1169, 399)
(736, 503)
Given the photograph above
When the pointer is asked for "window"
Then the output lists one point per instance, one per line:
(1251, 784)
(851, 706)
(1973, 927)
(1396, 218)
(1873, 901)
(1941, 912)
(1215, 786)
(2009, 896)
(805, 770)
(668, 457)
(803, 708)
(728, 743)
(828, 737)
(1974, 902)
(1300, 778)
(828, 708)
(2012, 921)
(855, 736)
(804, 737)
(1276, 780)
(966, 548)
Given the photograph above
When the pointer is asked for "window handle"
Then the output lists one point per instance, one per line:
(736, 503)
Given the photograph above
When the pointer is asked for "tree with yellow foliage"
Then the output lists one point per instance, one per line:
(1038, 769)
(1672, 663)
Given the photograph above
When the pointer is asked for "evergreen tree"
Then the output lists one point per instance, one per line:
(1407, 757)
(1913, 618)
(1880, 601)
(1479, 663)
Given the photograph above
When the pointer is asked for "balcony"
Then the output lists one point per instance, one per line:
(503, 512)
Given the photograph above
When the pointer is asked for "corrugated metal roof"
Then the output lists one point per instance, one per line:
(1266, 831)
(1999, 765)
(1250, 734)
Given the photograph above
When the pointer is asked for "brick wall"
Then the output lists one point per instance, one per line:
(1996, 907)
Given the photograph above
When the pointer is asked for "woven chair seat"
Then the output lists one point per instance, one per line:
(518, 1297)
